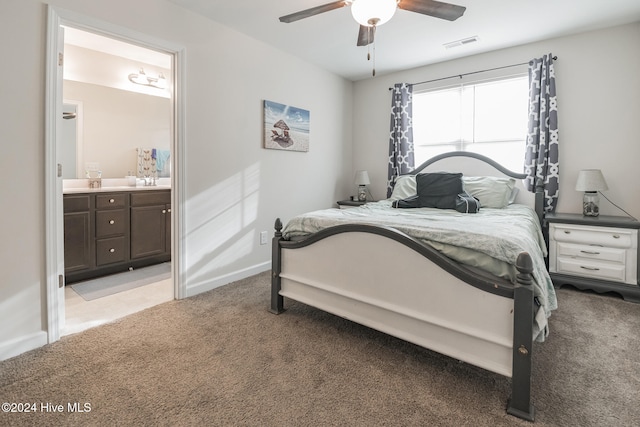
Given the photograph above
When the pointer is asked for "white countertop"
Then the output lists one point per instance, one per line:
(73, 186)
(113, 189)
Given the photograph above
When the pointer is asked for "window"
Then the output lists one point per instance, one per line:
(488, 118)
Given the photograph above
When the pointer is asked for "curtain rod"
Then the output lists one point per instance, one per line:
(473, 72)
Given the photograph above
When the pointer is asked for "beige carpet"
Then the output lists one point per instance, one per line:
(221, 358)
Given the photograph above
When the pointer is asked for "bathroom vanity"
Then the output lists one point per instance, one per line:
(114, 229)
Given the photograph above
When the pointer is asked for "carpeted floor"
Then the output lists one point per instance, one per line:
(221, 358)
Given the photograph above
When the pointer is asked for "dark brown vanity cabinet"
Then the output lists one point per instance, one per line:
(106, 233)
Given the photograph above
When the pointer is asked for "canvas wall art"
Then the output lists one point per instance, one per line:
(286, 127)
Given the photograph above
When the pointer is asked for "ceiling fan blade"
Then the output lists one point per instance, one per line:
(314, 11)
(365, 35)
(437, 9)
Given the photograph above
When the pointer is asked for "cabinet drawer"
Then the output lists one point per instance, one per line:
(591, 252)
(596, 270)
(76, 203)
(110, 250)
(146, 198)
(602, 236)
(108, 201)
(110, 222)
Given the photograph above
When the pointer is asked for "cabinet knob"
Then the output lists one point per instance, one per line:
(112, 222)
(164, 211)
(169, 210)
(112, 250)
(112, 200)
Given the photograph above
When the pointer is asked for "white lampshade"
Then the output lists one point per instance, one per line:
(373, 12)
(591, 180)
(362, 178)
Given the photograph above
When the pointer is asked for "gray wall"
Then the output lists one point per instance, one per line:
(234, 187)
(598, 83)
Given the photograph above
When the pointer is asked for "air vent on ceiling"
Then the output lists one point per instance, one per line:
(461, 42)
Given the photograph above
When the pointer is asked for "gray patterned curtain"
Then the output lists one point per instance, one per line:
(541, 158)
(401, 158)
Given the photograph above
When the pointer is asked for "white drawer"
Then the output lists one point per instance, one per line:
(591, 252)
(596, 270)
(603, 236)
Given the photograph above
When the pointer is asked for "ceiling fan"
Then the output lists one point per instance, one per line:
(373, 13)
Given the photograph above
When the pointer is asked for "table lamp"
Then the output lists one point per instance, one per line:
(591, 182)
(362, 180)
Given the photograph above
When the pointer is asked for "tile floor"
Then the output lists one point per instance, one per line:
(81, 315)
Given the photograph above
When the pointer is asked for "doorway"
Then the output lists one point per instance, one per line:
(58, 20)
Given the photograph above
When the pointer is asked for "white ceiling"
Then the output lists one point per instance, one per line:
(410, 39)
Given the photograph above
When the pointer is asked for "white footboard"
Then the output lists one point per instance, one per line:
(380, 283)
(381, 278)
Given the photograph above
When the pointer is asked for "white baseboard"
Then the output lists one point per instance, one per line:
(227, 278)
(20, 345)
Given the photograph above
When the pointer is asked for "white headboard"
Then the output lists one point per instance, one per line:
(473, 164)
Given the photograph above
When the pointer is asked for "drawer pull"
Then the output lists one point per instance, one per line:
(112, 222)
(590, 252)
(567, 232)
(590, 268)
(112, 200)
(616, 236)
(112, 250)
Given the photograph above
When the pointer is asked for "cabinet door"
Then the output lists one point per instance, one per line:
(77, 241)
(148, 231)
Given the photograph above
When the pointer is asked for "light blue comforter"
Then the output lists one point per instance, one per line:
(490, 239)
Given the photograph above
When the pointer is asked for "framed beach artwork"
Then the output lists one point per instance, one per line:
(285, 127)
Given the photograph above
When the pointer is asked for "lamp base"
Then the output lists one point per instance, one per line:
(590, 203)
(362, 193)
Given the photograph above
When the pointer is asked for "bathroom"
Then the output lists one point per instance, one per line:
(116, 138)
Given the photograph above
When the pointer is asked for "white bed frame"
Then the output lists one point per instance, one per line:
(382, 278)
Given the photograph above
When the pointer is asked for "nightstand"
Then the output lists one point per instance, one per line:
(598, 253)
(346, 204)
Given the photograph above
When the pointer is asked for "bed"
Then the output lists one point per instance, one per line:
(379, 266)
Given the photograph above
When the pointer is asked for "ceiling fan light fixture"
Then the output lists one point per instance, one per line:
(373, 12)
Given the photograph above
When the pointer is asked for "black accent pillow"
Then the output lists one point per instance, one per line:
(466, 203)
(439, 189)
(434, 190)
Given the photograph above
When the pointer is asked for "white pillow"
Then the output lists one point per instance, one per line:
(493, 192)
(405, 187)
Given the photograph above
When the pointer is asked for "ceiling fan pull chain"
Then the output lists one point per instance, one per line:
(374, 51)
(368, 43)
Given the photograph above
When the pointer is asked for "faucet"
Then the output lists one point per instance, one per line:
(149, 181)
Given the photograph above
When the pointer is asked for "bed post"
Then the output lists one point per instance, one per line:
(539, 199)
(277, 301)
(520, 403)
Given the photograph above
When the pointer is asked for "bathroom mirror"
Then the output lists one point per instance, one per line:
(108, 128)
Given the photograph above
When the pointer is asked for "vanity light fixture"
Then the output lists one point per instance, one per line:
(141, 78)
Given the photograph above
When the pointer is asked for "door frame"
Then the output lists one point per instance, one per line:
(54, 220)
